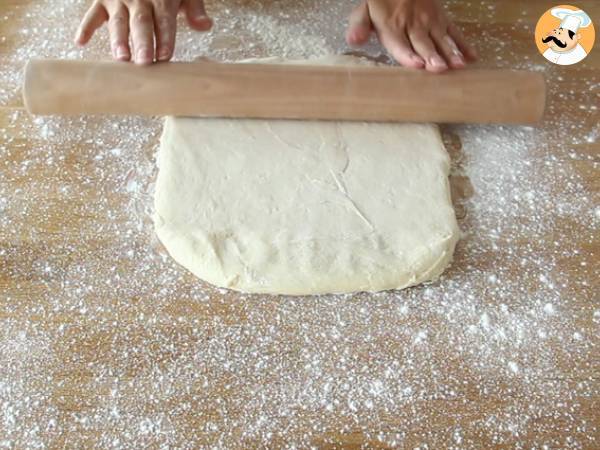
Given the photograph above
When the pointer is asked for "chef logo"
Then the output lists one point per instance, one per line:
(564, 35)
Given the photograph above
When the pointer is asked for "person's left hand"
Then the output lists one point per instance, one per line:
(417, 33)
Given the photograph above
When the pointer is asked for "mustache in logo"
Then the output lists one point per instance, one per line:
(555, 40)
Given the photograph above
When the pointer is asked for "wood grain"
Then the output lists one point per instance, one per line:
(269, 91)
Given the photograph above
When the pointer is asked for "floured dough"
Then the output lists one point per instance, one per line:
(305, 207)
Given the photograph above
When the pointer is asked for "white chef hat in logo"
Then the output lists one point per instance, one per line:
(571, 20)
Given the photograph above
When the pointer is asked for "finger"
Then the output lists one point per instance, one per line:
(359, 25)
(449, 50)
(399, 47)
(93, 19)
(118, 29)
(468, 51)
(424, 46)
(196, 15)
(141, 24)
(165, 25)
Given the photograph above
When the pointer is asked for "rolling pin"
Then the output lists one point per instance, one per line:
(276, 91)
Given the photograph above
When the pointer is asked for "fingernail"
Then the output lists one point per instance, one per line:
(458, 57)
(206, 21)
(163, 53)
(457, 52)
(417, 59)
(450, 43)
(79, 38)
(122, 52)
(458, 61)
(142, 56)
(436, 61)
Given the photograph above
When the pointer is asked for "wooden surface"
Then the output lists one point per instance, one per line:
(141, 326)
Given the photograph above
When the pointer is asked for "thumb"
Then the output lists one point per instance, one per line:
(359, 25)
(196, 15)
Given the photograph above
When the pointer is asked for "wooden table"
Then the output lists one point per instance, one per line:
(105, 342)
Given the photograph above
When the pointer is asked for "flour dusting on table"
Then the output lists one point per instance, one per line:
(104, 337)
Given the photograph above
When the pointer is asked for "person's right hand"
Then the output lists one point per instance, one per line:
(417, 33)
(150, 23)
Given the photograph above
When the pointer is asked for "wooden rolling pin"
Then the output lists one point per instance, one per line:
(211, 89)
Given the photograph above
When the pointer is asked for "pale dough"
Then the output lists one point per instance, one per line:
(305, 207)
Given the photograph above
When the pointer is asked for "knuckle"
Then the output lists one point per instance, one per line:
(143, 17)
(423, 18)
(162, 8)
(395, 22)
(118, 20)
(164, 23)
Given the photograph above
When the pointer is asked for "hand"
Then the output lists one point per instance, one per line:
(151, 23)
(417, 33)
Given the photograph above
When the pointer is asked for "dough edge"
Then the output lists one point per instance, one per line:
(437, 257)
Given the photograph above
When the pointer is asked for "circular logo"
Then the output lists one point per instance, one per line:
(564, 35)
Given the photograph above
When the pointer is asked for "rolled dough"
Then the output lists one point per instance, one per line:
(305, 207)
